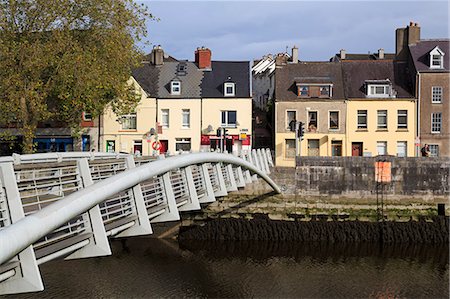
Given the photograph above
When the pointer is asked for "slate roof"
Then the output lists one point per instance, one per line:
(195, 83)
(355, 75)
(147, 77)
(190, 80)
(237, 71)
(420, 54)
(369, 56)
(307, 72)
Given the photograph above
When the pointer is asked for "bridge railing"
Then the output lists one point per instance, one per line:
(30, 183)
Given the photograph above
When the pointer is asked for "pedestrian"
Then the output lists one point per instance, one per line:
(425, 151)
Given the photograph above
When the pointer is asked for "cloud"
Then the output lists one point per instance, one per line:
(238, 30)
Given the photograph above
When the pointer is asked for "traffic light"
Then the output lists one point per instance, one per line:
(301, 130)
(219, 132)
(225, 132)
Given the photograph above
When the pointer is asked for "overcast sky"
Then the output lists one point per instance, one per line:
(247, 30)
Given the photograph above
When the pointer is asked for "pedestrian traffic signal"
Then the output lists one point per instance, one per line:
(292, 125)
(301, 130)
(225, 132)
(219, 132)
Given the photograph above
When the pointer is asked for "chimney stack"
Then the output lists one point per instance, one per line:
(294, 54)
(342, 54)
(381, 53)
(203, 58)
(157, 56)
(404, 37)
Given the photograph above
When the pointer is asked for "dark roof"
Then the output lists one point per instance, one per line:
(147, 77)
(307, 72)
(223, 71)
(355, 75)
(190, 78)
(369, 56)
(420, 54)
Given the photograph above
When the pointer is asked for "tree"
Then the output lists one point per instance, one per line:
(59, 58)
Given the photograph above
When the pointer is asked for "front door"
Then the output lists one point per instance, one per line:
(313, 147)
(164, 146)
(357, 148)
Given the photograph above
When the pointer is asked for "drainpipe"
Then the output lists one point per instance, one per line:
(99, 135)
(418, 115)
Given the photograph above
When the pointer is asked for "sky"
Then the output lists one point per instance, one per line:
(247, 30)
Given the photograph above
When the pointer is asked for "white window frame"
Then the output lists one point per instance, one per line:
(309, 120)
(186, 118)
(165, 118)
(329, 120)
(402, 126)
(436, 55)
(436, 122)
(287, 118)
(181, 141)
(434, 150)
(361, 126)
(226, 85)
(404, 145)
(436, 94)
(175, 87)
(380, 125)
(224, 116)
(127, 121)
(372, 90)
(382, 144)
(87, 116)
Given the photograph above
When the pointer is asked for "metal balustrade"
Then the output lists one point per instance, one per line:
(67, 204)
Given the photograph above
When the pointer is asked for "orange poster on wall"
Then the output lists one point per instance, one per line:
(383, 172)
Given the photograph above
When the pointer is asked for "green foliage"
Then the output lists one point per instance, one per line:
(59, 58)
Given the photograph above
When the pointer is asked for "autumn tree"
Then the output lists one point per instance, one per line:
(61, 57)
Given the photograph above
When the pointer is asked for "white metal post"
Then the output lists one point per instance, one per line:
(233, 186)
(209, 194)
(193, 203)
(222, 187)
(265, 160)
(142, 225)
(98, 245)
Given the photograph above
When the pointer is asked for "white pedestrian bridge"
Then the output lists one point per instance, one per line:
(67, 205)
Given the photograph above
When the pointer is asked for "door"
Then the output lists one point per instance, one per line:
(164, 146)
(313, 147)
(110, 146)
(357, 148)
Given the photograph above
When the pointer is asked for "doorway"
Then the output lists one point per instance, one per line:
(357, 148)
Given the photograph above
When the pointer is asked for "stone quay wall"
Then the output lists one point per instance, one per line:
(421, 178)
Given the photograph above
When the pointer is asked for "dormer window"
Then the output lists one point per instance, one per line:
(229, 89)
(379, 89)
(175, 88)
(303, 91)
(324, 91)
(436, 58)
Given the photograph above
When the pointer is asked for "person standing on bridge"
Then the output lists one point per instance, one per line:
(425, 151)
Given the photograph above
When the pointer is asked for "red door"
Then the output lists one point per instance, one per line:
(164, 146)
(357, 149)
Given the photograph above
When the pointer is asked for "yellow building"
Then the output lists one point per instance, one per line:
(380, 127)
(380, 108)
(183, 104)
(129, 133)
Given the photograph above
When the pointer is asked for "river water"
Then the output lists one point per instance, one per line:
(149, 268)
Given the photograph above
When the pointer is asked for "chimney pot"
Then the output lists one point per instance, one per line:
(411, 24)
(294, 54)
(381, 53)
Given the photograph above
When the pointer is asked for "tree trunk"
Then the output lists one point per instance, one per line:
(28, 128)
